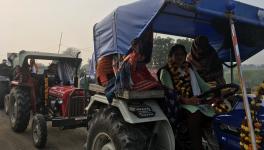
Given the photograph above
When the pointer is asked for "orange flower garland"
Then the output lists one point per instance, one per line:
(245, 140)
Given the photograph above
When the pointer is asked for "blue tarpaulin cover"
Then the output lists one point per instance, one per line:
(187, 18)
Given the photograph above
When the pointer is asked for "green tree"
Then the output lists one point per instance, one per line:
(253, 77)
(71, 51)
(83, 70)
(161, 48)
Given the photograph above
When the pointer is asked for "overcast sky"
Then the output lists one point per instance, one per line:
(37, 24)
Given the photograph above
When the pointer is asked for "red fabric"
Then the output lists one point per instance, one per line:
(140, 75)
(104, 70)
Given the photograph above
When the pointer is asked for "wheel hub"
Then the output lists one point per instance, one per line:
(36, 132)
(103, 142)
(14, 112)
(6, 105)
(109, 146)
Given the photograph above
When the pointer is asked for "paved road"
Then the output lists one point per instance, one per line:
(57, 139)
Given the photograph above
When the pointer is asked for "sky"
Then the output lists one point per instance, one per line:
(37, 24)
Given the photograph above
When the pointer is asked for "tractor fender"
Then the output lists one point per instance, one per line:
(164, 137)
(162, 130)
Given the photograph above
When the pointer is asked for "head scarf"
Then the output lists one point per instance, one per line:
(206, 61)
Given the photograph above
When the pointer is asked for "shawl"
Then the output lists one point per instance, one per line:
(206, 61)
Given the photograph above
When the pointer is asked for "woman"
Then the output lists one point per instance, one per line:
(179, 76)
(131, 73)
(140, 75)
(206, 61)
(33, 67)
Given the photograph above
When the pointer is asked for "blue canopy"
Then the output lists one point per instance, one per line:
(187, 18)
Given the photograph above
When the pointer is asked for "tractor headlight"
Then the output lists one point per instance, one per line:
(60, 102)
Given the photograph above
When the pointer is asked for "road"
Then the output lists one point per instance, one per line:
(57, 139)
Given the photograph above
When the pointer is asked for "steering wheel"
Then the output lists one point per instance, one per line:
(218, 93)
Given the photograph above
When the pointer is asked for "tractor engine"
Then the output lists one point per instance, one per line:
(67, 101)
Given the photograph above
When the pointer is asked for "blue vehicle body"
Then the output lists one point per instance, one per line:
(227, 126)
(187, 18)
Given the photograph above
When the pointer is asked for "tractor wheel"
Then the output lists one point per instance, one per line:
(6, 104)
(3, 92)
(39, 131)
(108, 131)
(19, 109)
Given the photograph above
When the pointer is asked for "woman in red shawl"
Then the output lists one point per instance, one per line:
(140, 75)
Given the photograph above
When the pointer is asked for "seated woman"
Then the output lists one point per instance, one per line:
(206, 61)
(179, 76)
(131, 73)
(209, 66)
(33, 67)
(139, 55)
(140, 75)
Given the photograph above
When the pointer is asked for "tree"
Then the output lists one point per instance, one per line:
(161, 48)
(71, 51)
(84, 70)
(253, 76)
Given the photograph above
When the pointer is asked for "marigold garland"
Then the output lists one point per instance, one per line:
(245, 140)
(181, 80)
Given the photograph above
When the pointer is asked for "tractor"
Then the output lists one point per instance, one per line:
(51, 95)
(134, 120)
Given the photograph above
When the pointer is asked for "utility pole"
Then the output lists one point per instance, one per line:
(60, 43)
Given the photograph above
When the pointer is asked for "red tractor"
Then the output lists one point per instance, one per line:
(50, 95)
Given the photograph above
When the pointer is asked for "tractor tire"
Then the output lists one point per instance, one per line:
(19, 109)
(108, 130)
(3, 92)
(6, 104)
(39, 131)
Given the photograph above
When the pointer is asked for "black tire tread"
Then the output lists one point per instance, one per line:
(6, 106)
(40, 119)
(3, 92)
(125, 136)
(23, 107)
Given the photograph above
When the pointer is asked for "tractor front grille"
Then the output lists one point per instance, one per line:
(76, 106)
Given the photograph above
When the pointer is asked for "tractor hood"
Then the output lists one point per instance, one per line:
(61, 91)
